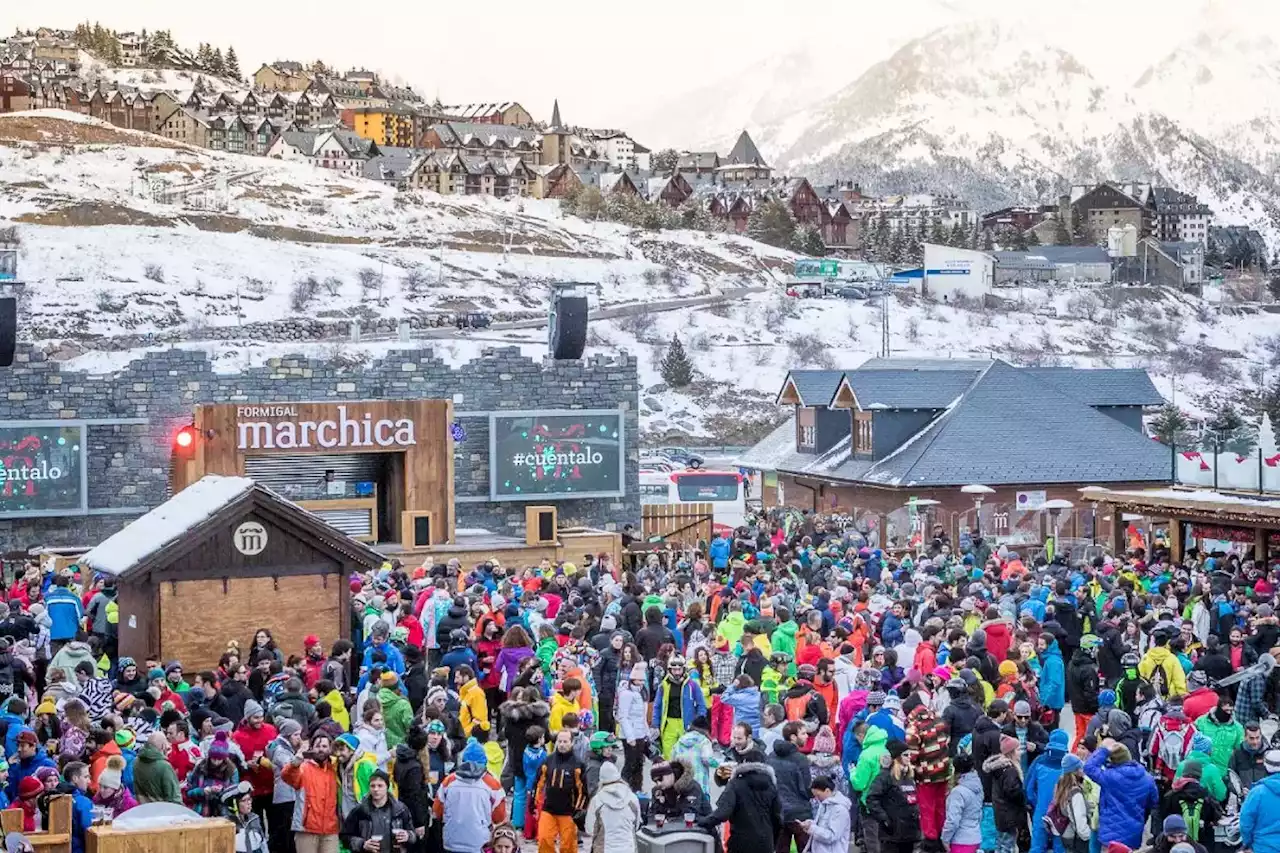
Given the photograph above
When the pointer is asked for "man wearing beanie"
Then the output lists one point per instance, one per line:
(1127, 794)
(891, 803)
(1260, 815)
(1189, 800)
(1042, 776)
(287, 743)
(253, 736)
(471, 802)
(1106, 703)
(397, 713)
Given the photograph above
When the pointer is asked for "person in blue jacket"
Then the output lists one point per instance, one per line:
(1127, 794)
(65, 611)
(1042, 778)
(692, 704)
(77, 776)
(31, 757)
(13, 718)
(719, 551)
(1260, 815)
(1053, 675)
(379, 641)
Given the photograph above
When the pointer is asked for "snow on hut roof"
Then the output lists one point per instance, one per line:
(146, 535)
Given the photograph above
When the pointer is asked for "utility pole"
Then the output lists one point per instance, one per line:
(884, 315)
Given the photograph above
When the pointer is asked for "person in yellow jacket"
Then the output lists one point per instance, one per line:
(1160, 665)
(474, 709)
(338, 709)
(564, 701)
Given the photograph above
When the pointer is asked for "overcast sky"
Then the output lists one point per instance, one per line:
(607, 64)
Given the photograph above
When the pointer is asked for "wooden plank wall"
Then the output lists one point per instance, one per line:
(428, 464)
(197, 617)
(693, 521)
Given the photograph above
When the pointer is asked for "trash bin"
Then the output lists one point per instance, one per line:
(674, 838)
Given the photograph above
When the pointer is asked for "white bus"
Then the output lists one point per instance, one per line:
(722, 489)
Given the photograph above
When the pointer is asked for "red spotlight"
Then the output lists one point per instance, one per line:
(185, 438)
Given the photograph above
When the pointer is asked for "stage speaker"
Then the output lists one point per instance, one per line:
(540, 525)
(568, 327)
(416, 527)
(9, 330)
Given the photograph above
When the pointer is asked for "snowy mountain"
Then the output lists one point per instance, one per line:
(984, 110)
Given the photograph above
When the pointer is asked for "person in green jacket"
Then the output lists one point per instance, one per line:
(397, 713)
(784, 637)
(874, 742)
(154, 779)
(773, 679)
(1210, 776)
(546, 649)
(732, 625)
(1220, 727)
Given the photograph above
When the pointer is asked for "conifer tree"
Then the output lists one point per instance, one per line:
(216, 65)
(676, 369)
(1172, 426)
(233, 65)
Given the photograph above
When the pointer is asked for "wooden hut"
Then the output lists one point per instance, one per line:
(220, 559)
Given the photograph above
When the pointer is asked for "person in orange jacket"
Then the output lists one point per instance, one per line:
(315, 811)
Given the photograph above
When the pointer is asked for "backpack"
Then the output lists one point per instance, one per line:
(1159, 683)
(1055, 822)
(1191, 814)
(1170, 747)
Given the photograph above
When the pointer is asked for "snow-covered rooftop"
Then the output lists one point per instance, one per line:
(153, 531)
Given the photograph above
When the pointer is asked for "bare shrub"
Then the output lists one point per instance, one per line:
(1158, 334)
(913, 329)
(1211, 363)
(1086, 306)
(1271, 346)
(303, 293)
(155, 272)
(9, 235)
(370, 281)
(415, 282)
(809, 352)
(639, 324)
(761, 355)
(699, 342)
(256, 287)
(332, 285)
(106, 303)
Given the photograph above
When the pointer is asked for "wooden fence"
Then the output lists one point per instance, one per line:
(682, 525)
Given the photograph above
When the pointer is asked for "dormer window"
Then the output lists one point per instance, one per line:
(862, 432)
(808, 436)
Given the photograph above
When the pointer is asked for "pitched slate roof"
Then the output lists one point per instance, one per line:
(1104, 387)
(745, 151)
(815, 387)
(908, 389)
(1054, 438)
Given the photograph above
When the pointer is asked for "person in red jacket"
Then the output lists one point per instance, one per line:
(1201, 700)
(253, 736)
(410, 623)
(313, 666)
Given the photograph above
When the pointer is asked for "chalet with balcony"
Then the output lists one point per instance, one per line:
(877, 440)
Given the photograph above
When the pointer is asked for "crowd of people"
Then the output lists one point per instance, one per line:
(781, 690)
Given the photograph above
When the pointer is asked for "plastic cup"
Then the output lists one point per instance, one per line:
(688, 820)
(660, 820)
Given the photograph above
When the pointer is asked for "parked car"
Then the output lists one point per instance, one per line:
(473, 320)
(851, 292)
(682, 456)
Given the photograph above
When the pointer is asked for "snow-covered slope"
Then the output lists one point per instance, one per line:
(128, 246)
(986, 110)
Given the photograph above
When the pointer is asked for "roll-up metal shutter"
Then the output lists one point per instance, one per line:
(353, 522)
(288, 472)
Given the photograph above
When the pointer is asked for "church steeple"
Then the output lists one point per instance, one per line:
(555, 114)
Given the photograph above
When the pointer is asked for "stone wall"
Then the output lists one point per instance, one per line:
(129, 464)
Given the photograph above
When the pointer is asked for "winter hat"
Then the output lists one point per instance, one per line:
(1022, 708)
(221, 748)
(399, 634)
(1201, 742)
(893, 702)
(112, 776)
(1175, 823)
(1192, 770)
(174, 666)
(1107, 698)
(435, 693)
(390, 679)
(1071, 763)
(288, 727)
(1271, 761)
(30, 787)
(608, 623)
(1009, 745)
(126, 739)
(155, 673)
(896, 748)
(253, 708)
(46, 706)
(348, 740)
(997, 707)
(1120, 754)
(639, 672)
(875, 698)
(824, 740)
(28, 737)
(1008, 668)
(309, 641)
(1059, 740)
